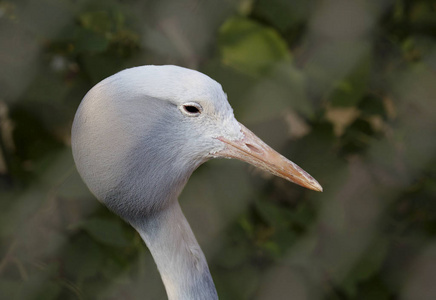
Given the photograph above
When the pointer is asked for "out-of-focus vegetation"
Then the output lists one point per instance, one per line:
(346, 89)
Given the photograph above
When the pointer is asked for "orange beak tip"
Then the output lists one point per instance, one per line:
(318, 188)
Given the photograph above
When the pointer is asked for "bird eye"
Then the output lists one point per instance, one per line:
(192, 109)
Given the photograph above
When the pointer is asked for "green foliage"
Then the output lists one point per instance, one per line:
(344, 88)
(250, 47)
(108, 232)
(282, 14)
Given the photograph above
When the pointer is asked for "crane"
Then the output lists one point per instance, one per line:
(138, 135)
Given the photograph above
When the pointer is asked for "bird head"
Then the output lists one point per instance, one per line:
(140, 133)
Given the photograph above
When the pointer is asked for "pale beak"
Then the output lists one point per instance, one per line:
(253, 150)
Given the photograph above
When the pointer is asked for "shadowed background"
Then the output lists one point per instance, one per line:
(346, 89)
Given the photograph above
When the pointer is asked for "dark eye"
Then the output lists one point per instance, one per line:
(191, 109)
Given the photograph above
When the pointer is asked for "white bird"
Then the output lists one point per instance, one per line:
(137, 137)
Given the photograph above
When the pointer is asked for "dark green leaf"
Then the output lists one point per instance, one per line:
(250, 47)
(106, 231)
(89, 41)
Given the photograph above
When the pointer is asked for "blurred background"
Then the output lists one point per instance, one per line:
(346, 89)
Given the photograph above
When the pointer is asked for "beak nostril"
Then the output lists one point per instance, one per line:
(253, 148)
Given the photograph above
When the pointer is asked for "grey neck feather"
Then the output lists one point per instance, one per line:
(178, 256)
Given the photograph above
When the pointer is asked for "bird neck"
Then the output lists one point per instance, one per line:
(178, 256)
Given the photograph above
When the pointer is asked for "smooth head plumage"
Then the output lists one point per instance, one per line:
(132, 131)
